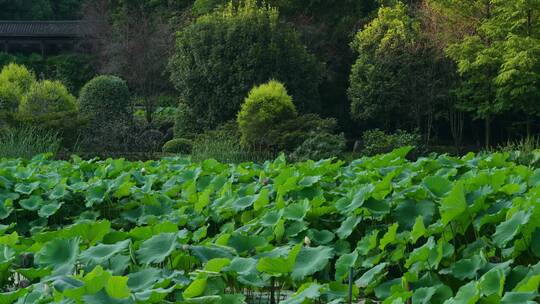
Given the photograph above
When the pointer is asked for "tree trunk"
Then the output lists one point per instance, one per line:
(487, 124)
(528, 125)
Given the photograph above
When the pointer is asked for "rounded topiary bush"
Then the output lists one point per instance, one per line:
(266, 106)
(47, 99)
(18, 75)
(178, 146)
(105, 98)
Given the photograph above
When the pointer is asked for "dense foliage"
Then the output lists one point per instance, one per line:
(104, 99)
(18, 75)
(437, 230)
(178, 146)
(221, 56)
(39, 9)
(265, 107)
(74, 69)
(320, 145)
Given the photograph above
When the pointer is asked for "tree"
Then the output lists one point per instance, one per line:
(39, 9)
(221, 56)
(478, 58)
(135, 40)
(393, 82)
(265, 107)
(518, 80)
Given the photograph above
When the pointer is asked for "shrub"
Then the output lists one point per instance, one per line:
(266, 106)
(179, 146)
(378, 142)
(201, 7)
(524, 151)
(185, 125)
(47, 98)
(320, 145)
(19, 75)
(48, 105)
(150, 140)
(221, 56)
(10, 96)
(27, 142)
(105, 98)
(223, 144)
(290, 134)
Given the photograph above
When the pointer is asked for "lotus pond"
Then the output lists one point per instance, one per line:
(435, 230)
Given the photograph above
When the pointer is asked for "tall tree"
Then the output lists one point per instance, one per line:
(478, 58)
(135, 40)
(395, 79)
(518, 80)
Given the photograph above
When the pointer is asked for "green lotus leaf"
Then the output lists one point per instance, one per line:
(103, 298)
(117, 287)
(242, 203)
(309, 292)
(348, 206)
(423, 295)
(33, 203)
(216, 265)
(6, 207)
(467, 294)
(262, 199)
(242, 265)
(296, 211)
(245, 243)
(508, 229)
(96, 194)
(49, 209)
(58, 192)
(12, 296)
(311, 260)
(418, 230)
(320, 237)
(409, 209)
(437, 185)
(208, 252)
(467, 268)
(204, 300)
(344, 265)
(389, 237)
(157, 248)
(347, 226)
(60, 255)
(384, 290)
(492, 282)
(453, 204)
(143, 279)
(278, 265)
(519, 298)
(27, 189)
(102, 252)
(368, 242)
(196, 288)
(271, 218)
(371, 276)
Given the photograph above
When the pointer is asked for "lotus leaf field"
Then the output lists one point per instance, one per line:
(435, 230)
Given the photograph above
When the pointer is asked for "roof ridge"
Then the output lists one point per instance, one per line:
(43, 21)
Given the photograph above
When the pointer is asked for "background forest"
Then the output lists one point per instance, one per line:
(246, 80)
